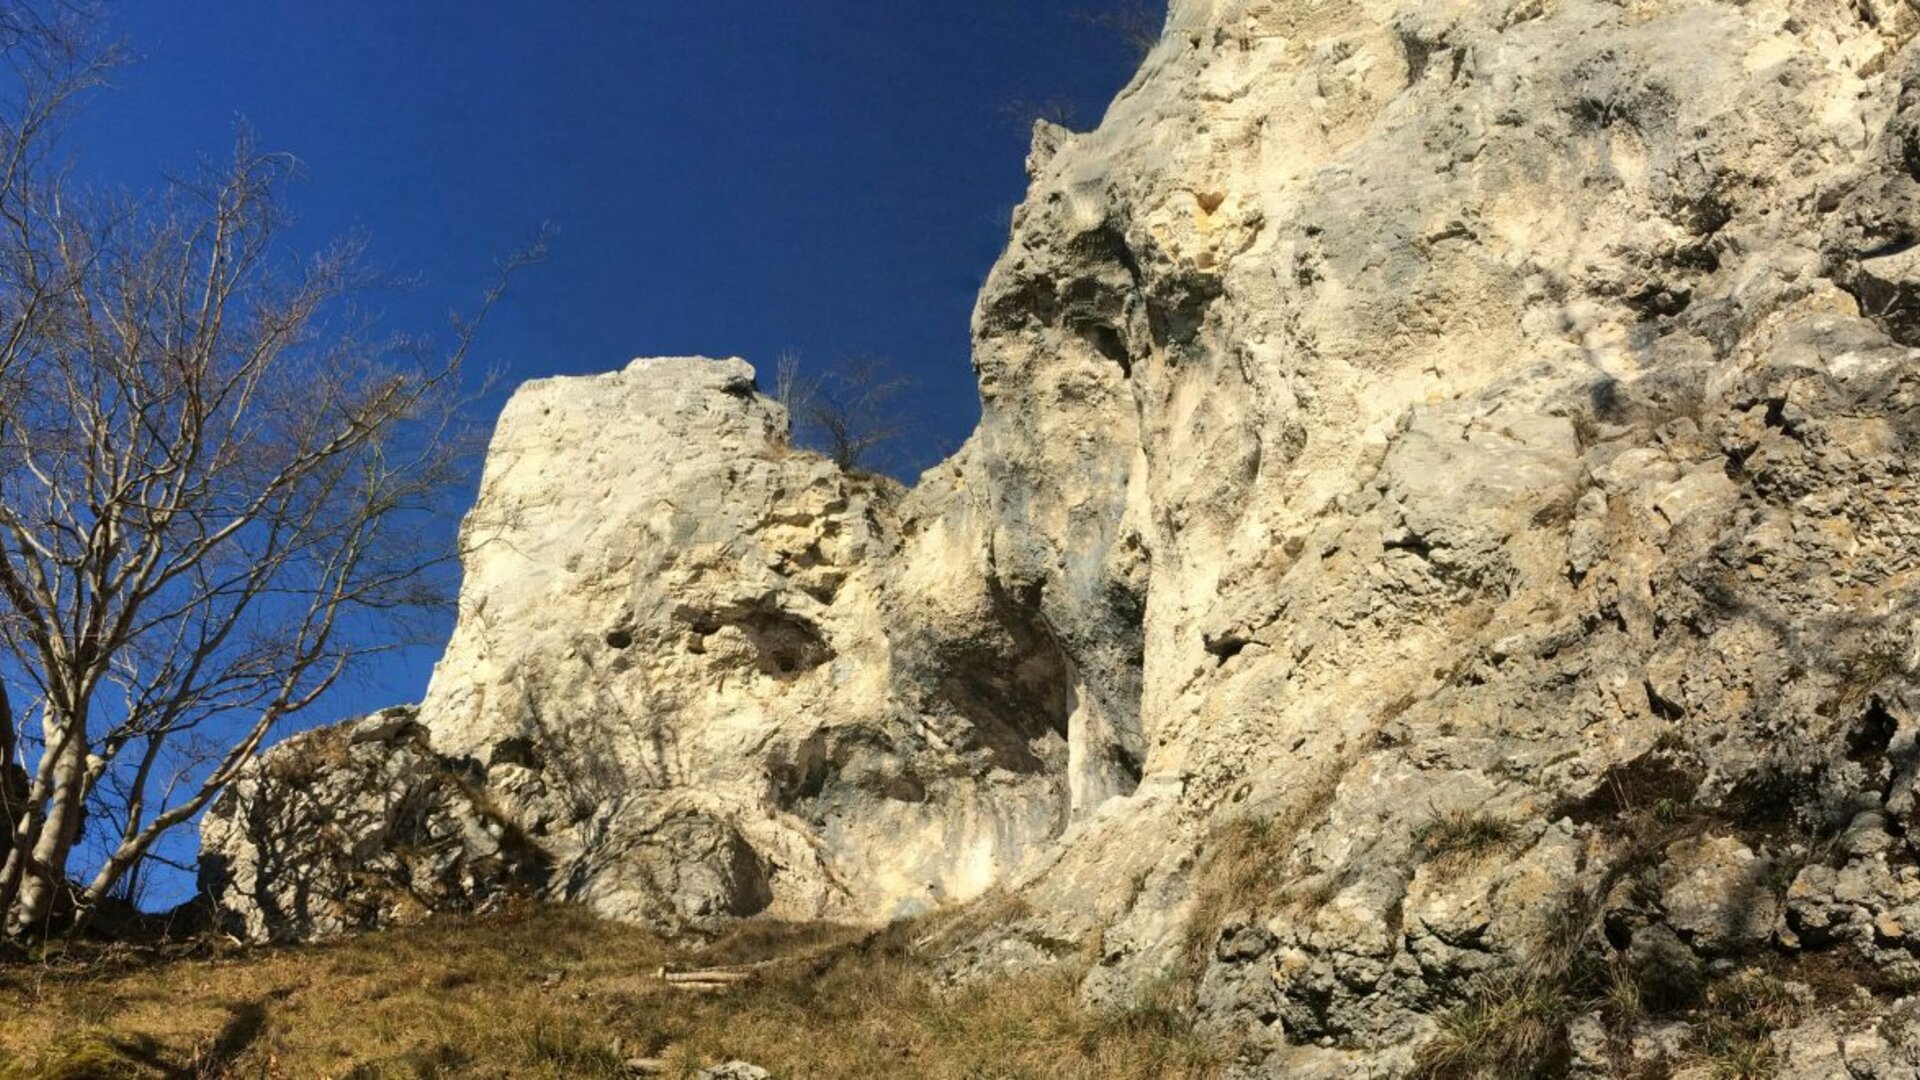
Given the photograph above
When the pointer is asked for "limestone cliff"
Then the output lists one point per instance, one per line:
(1441, 517)
(707, 675)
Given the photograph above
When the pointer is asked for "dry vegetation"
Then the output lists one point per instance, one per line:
(553, 992)
(1454, 838)
(1517, 1024)
(1246, 866)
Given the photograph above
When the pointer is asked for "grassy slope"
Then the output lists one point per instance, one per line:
(554, 992)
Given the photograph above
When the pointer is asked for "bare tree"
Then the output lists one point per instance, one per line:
(213, 481)
(852, 410)
(1022, 112)
(793, 389)
(1138, 22)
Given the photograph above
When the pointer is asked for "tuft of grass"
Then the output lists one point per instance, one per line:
(1860, 673)
(1624, 1004)
(1732, 1033)
(1460, 835)
(1516, 1027)
(537, 991)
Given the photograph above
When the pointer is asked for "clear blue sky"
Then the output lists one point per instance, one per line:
(726, 177)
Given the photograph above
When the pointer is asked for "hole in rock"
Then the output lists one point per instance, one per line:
(1873, 733)
(1108, 343)
(786, 644)
(518, 750)
(1226, 646)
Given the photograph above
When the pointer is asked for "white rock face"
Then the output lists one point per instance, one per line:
(711, 676)
(676, 631)
(1398, 414)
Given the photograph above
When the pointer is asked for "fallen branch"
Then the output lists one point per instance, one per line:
(710, 976)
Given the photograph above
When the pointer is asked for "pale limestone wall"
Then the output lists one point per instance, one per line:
(1393, 409)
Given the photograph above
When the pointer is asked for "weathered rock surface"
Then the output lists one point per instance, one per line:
(686, 669)
(355, 827)
(1469, 441)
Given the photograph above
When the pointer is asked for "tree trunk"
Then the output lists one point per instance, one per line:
(9, 735)
(10, 874)
(13, 803)
(13, 778)
(45, 871)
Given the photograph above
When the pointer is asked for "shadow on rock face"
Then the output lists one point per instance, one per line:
(777, 642)
(671, 869)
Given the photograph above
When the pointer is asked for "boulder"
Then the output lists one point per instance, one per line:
(354, 827)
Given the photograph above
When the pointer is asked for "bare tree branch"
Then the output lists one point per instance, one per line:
(1137, 22)
(851, 412)
(213, 478)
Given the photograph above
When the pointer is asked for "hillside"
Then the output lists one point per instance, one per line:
(556, 992)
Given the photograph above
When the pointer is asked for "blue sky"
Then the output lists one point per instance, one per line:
(726, 177)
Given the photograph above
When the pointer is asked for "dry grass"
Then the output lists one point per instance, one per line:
(1247, 866)
(1732, 1037)
(306, 758)
(1516, 1025)
(553, 992)
(1453, 838)
(1514, 1028)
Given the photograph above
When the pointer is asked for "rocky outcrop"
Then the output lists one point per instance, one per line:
(710, 676)
(1440, 527)
(355, 827)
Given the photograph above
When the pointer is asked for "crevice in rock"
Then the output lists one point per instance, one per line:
(1637, 784)
(1662, 706)
(1418, 53)
(785, 644)
(1898, 245)
(1660, 300)
(1770, 800)
(1872, 733)
(1412, 544)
